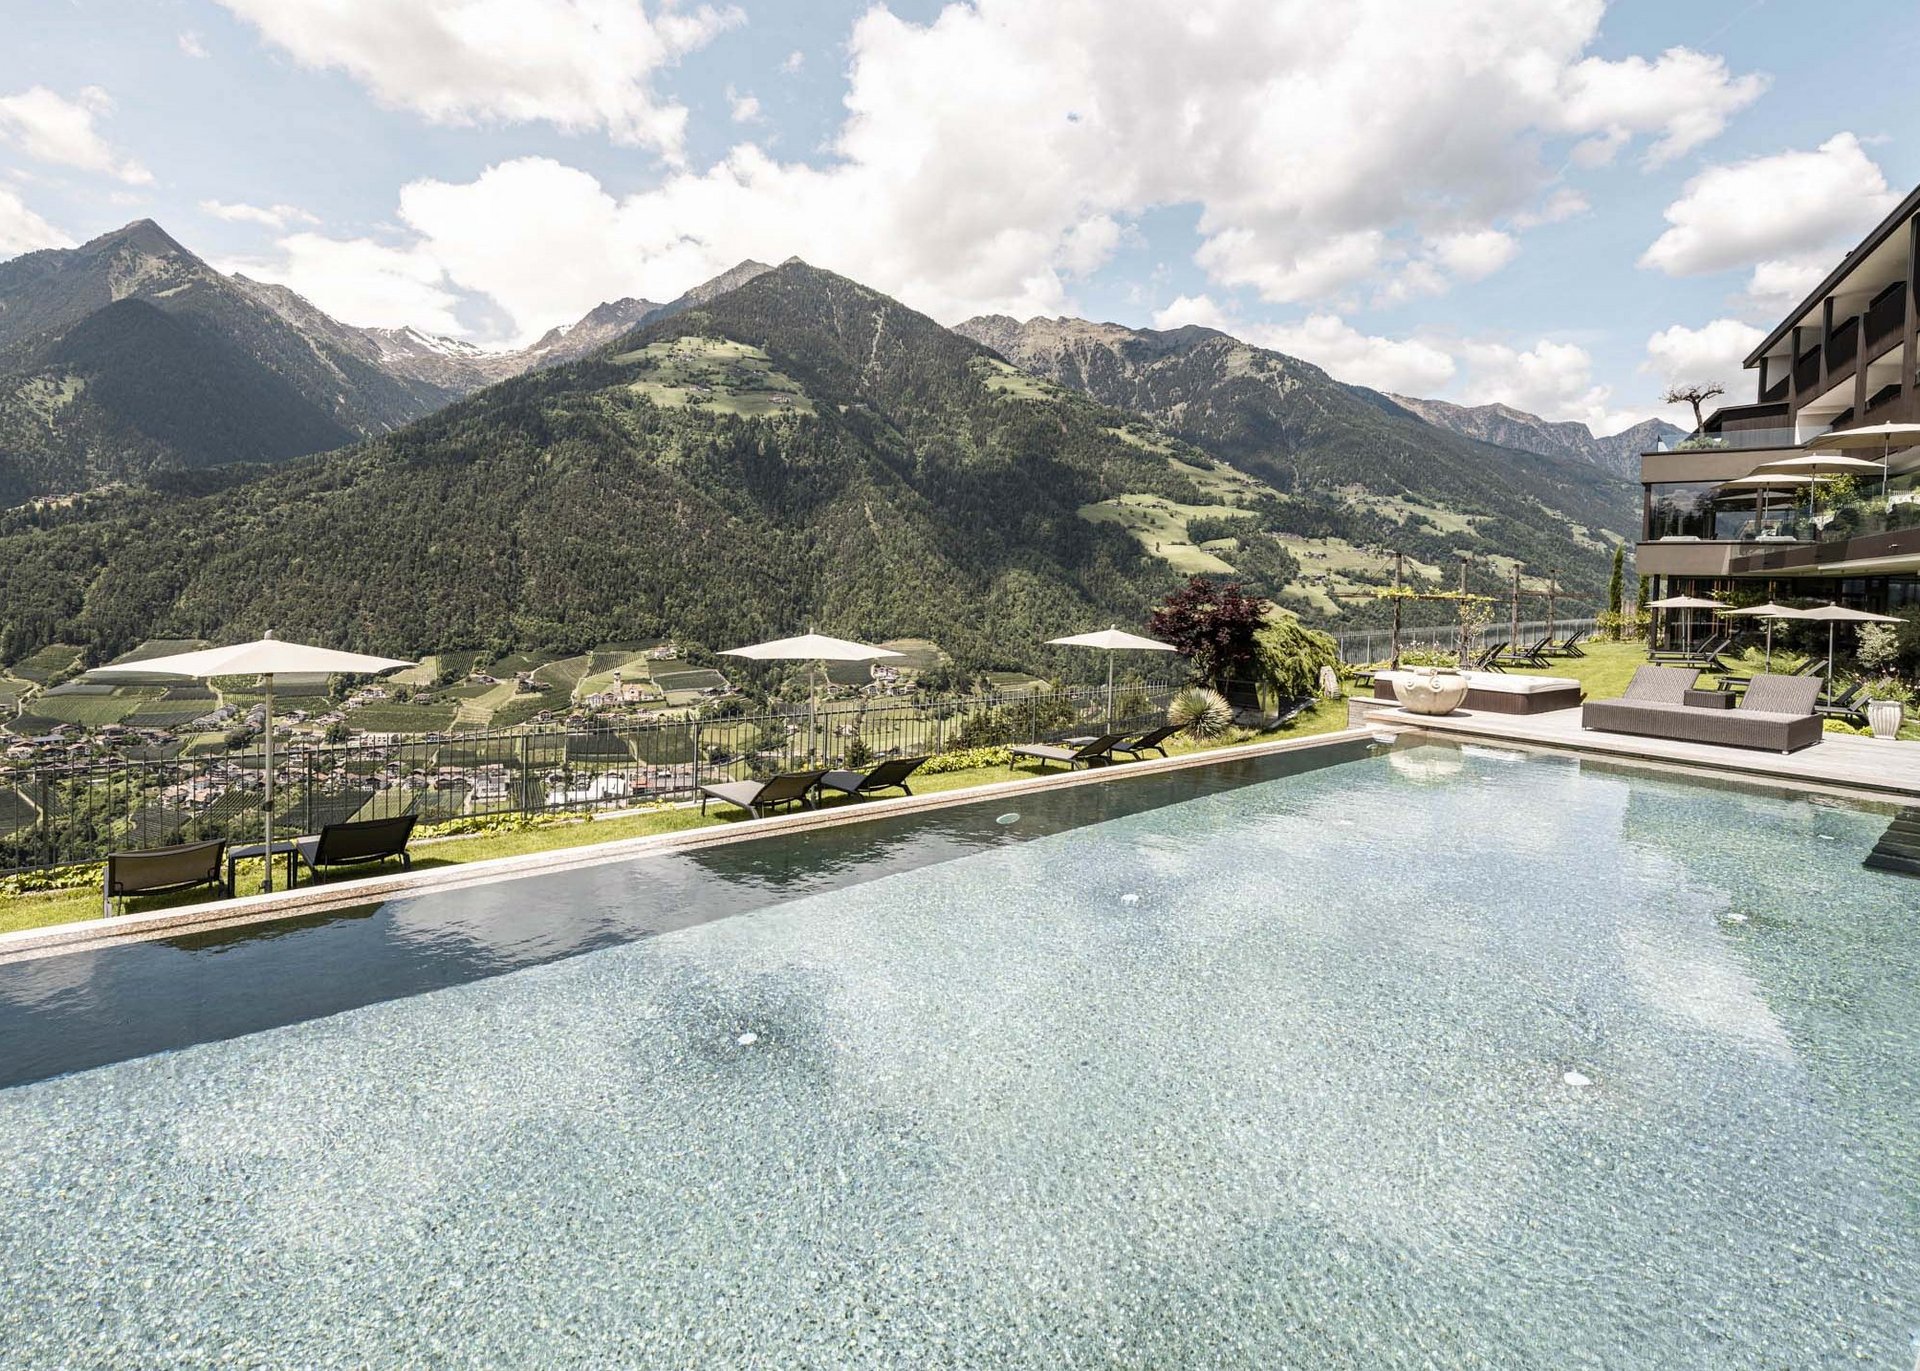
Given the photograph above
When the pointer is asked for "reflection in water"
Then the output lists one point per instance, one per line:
(88, 1008)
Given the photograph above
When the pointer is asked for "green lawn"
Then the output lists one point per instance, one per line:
(38, 910)
(1604, 672)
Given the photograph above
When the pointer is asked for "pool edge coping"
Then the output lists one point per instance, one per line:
(267, 907)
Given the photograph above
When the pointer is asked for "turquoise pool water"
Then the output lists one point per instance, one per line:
(1438, 1059)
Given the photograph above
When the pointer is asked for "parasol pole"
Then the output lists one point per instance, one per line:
(268, 887)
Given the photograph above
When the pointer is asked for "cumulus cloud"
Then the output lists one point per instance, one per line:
(742, 108)
(51, 128)
(191, 45)
(1684, 97)
(363, 281)
(1471, 256)
(1551, 379)
(1711, 353)
(1788, 216)
(269, 216)
(575, 64)
(795, 60)
(994, 153)
(1403, 365)
(21, 230)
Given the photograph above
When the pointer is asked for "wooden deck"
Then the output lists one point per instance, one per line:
(1839, 761)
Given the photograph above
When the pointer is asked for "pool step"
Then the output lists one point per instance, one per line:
(1898, 850)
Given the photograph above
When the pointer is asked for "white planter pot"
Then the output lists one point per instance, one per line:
(1884, 717)
(1432, 692)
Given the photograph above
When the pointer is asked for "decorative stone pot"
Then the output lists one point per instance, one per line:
(1432, 691)
(1884, 717)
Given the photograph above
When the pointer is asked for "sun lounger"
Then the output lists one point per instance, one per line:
(1533, 655)
(889, 775)
(1154, 741)
(1776, 712)
(1705, 656)
(158, 869)
(1488, 658)
(357, 842)
(1568, 646)
(1845, 706)
(1094, 752)
(790, 787)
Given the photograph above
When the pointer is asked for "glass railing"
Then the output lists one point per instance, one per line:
(1739, 439)
(1866, 517)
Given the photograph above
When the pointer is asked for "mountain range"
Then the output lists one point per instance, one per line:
(129, 355)
(1357, 466)
(775, 445)
(1514, 428)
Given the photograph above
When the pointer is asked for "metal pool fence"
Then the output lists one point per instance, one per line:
(1374, 644)
(54, 815)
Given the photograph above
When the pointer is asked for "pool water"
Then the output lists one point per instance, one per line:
(1445, 1057)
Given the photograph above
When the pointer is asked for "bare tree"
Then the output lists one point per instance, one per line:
(1695, 396)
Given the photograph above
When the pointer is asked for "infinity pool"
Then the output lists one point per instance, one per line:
(1445, 1057)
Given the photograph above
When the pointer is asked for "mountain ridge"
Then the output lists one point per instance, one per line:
(278, 350)
(1516, 428)
(1325, 444)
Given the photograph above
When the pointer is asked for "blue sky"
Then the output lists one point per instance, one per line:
(1547, 202)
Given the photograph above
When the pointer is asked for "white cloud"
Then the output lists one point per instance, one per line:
(990, 156)
(363, 282)
(1780, 283)
(1472, 256)
(1551, 379)
(21, 230)
(51, 128)
(795, 60)
(1781, 211)
(1684, 97)
(1405, 365)
(743, 109)
(271, 216)
(576, 64)
(1700, 356)
(1565, 203)
(191, 45)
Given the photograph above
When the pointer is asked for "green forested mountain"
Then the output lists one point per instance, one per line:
(802, 449)
(132, 389)
(1353, 469)
(129, 354)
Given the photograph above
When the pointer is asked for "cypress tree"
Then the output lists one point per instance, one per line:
(1615, 586)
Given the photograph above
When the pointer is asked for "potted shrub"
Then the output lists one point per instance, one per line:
(1887, 700)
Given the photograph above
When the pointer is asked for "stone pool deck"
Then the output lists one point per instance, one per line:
(316, 899)
(1838, 761)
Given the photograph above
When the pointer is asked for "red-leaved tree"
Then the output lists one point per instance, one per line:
(1212, 624)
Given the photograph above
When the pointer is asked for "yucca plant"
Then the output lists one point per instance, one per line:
(1201, 713)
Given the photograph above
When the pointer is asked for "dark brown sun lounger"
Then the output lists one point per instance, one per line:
(358, 841)
(889, 775)
(1094, 752)
(789, 787)
(158, 869)
(1155, 741)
